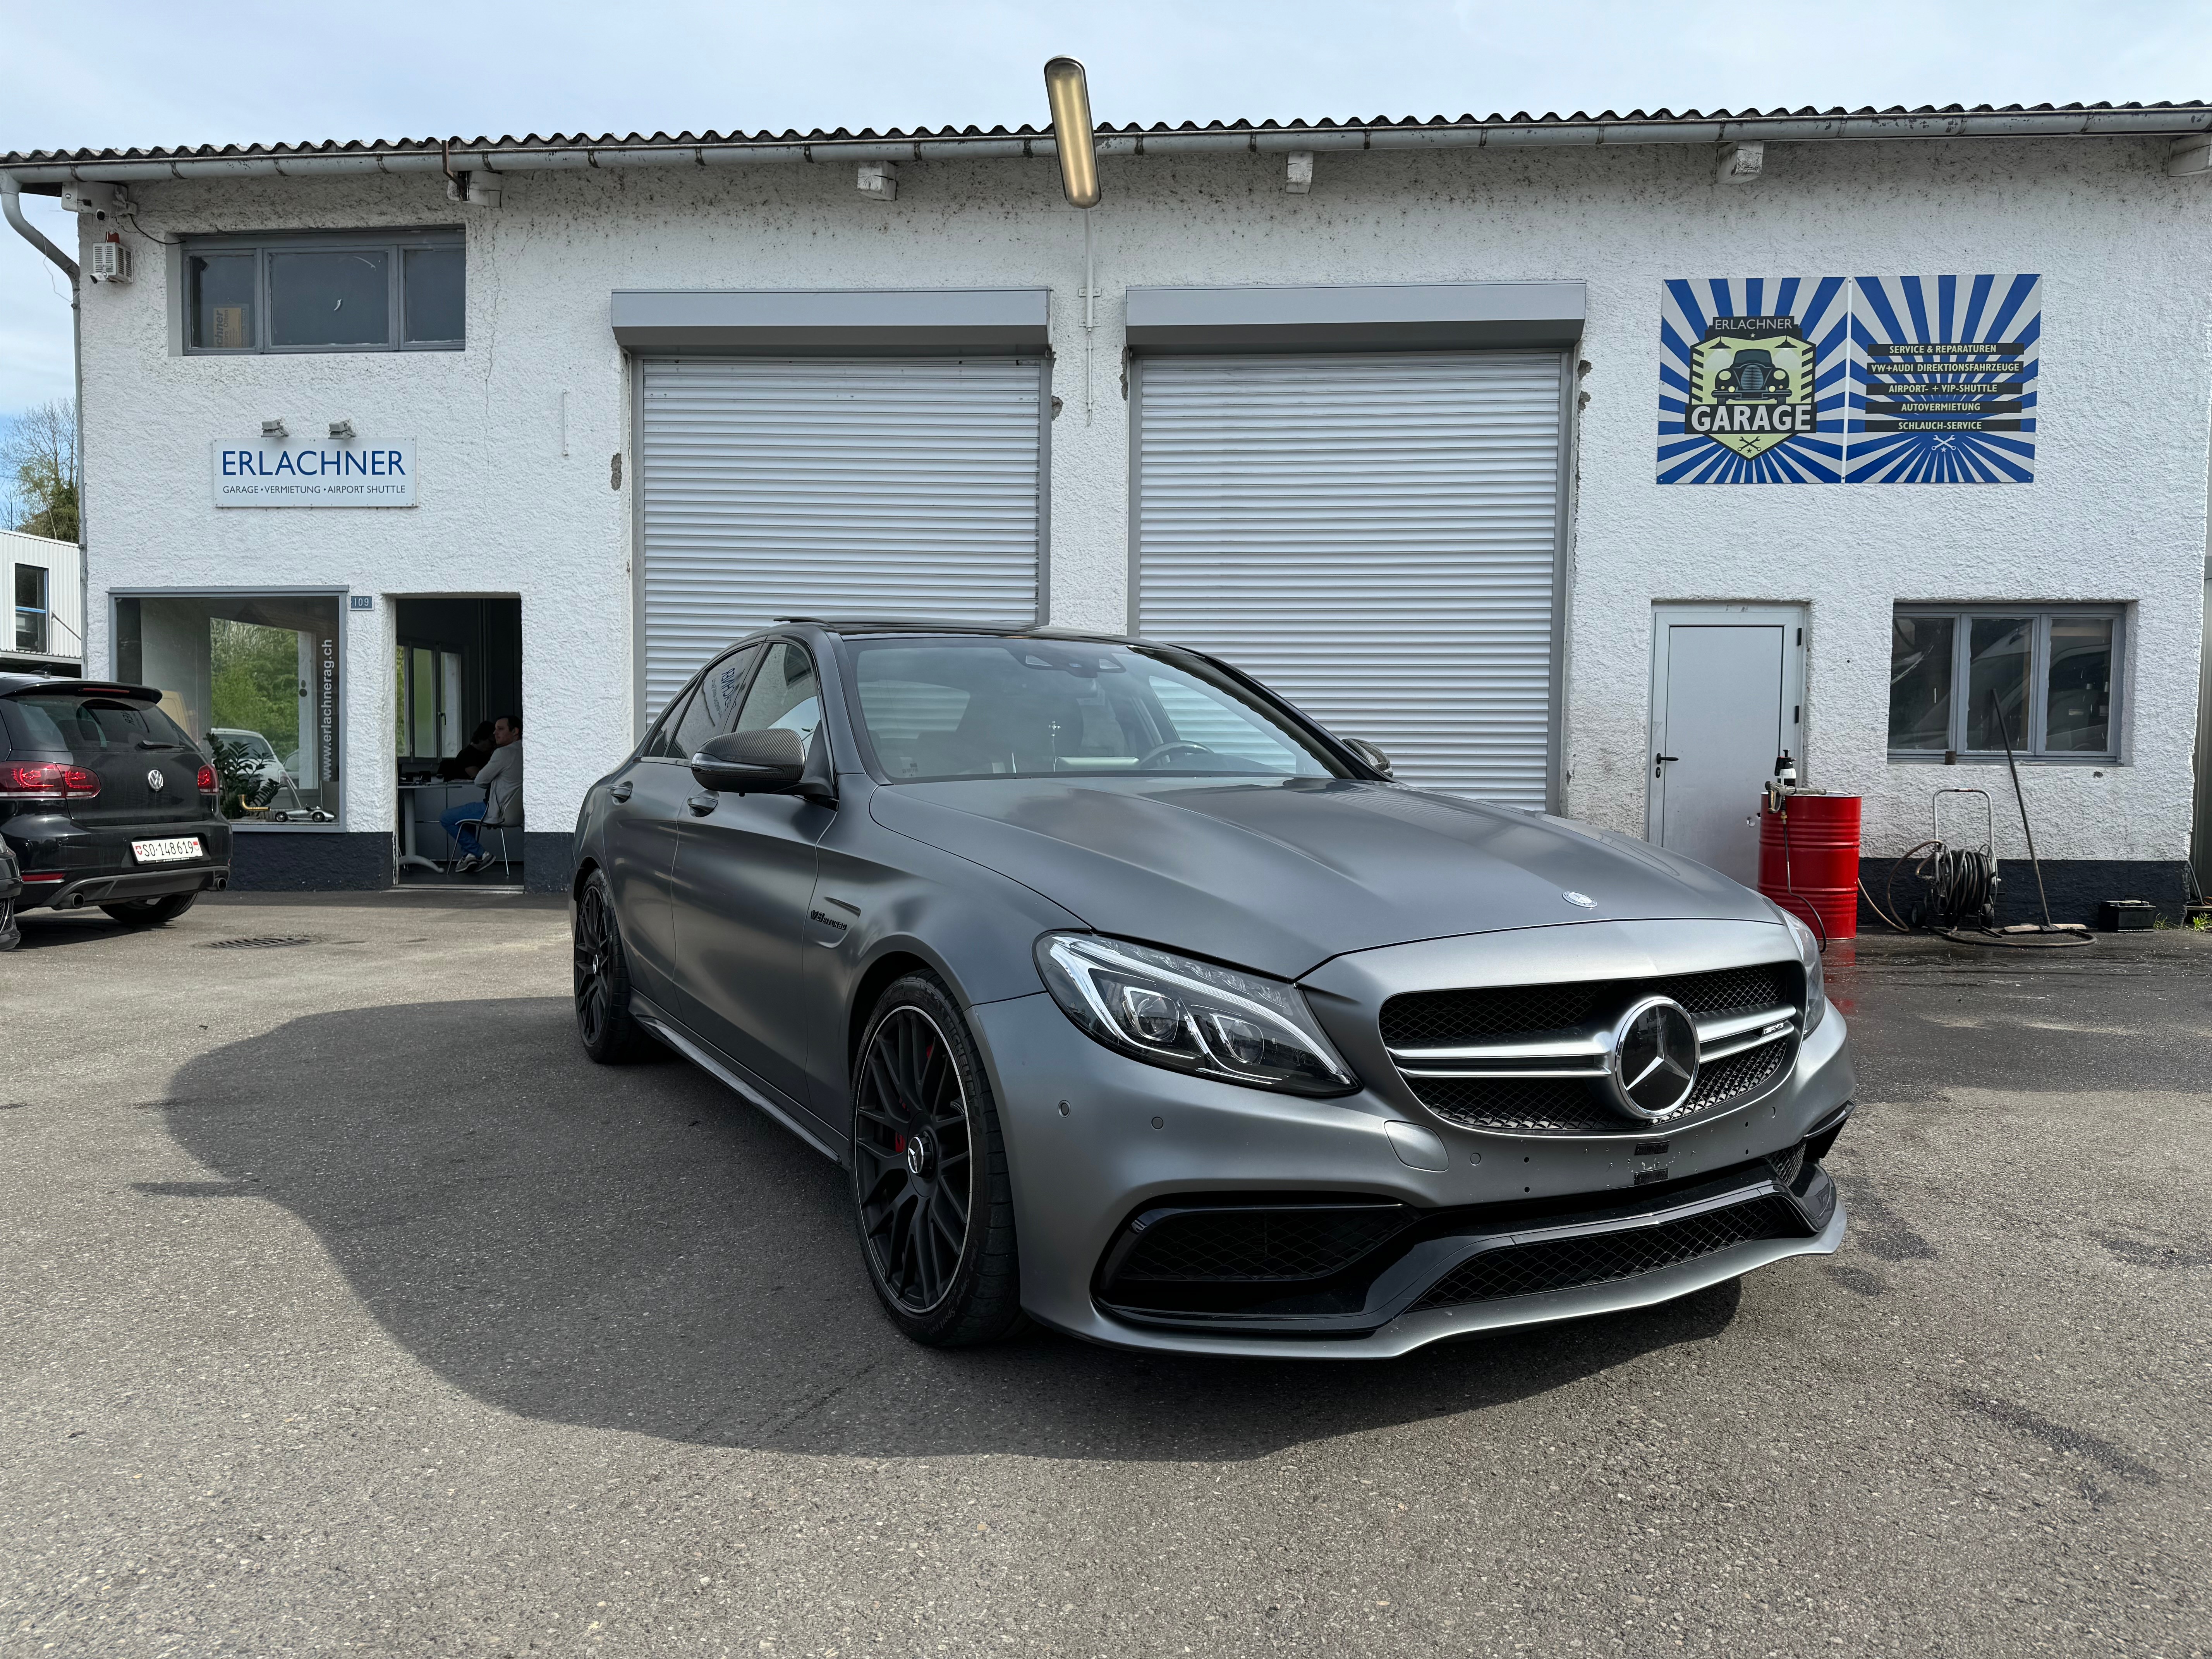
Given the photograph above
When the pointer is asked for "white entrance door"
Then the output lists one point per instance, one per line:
(1727, 698)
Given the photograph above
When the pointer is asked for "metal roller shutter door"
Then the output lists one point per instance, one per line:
(1375, 537)
(832, 487)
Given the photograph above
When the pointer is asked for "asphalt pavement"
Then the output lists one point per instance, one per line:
(345, 1308)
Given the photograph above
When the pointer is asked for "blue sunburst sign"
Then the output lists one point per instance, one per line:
(1834, 379)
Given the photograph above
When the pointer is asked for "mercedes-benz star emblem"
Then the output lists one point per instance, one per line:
(917, 1155)
(1582, 901)
(155, 780)
(1653, 1063)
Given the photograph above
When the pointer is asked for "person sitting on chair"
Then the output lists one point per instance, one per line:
(502, 778)
(474, 753)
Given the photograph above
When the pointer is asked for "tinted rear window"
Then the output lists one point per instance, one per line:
(86, 722)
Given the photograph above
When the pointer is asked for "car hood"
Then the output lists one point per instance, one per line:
(1282, 875)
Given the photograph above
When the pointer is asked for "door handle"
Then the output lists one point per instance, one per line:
(620, 791)
(1659, 760)
(702, 804)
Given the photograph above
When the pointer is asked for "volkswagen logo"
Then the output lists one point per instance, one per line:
(154, 781)
(1653, 1063)
(1580, 901)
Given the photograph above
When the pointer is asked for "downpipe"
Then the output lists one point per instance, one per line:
(11, 205)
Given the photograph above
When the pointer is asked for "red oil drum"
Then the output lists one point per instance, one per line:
(1808, 860)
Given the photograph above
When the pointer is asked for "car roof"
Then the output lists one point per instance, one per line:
(934, 625)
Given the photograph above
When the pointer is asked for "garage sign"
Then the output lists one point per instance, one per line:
(1859, 379)
(307, 472)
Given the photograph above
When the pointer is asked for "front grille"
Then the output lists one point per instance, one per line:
(1439, 1019)
(1558, 1106)
(1735, 1075)
(1531, 1105)
(1229, 1245)
(1605, 1258)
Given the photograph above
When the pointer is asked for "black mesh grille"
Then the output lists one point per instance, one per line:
(1259, 1244)
(1736, 1075)
(1600, 1259)
(1430, 1019)
(1533, 1105)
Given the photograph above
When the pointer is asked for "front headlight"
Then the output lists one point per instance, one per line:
(1191, 1015)
(1808, 952)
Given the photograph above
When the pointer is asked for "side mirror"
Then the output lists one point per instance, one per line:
(768, 762)
(1368, 753)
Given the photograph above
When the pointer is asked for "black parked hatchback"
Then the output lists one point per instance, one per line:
(105, 799)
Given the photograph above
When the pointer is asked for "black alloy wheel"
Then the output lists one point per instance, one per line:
(931, 1196)
(604, 1021)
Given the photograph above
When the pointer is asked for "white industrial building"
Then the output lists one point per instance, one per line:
(1583, 464)
(43, 580)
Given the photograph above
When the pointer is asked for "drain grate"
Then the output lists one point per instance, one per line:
(268, 942)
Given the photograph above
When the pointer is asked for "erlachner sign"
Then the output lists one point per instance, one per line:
(303, 473)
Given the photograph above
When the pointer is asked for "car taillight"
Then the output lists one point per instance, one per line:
(47, 781)
(207, 779)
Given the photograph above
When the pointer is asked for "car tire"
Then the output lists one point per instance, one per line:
(917, 1078)
(150, 911)
(600, 976)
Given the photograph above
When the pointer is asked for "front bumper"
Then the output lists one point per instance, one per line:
(1094, 1140)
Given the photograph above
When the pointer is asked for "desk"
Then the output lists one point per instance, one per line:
(432, 797)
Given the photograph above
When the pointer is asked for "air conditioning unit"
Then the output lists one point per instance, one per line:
(110, 263)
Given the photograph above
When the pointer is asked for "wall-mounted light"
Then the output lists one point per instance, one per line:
(274, 430)
(342, 430)
(1297, 179)
(1068, 93)
(879, 180)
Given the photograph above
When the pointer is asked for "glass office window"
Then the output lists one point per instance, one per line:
(326, 291)
(2079, 716)
(220, 289)
(427, 685)
(1967, 680)
(1920, 682)
(431, 294)
(1998, 649)
(342, 298)
(32, 612)
(255, 680)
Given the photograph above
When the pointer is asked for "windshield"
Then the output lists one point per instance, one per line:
(1014, 707)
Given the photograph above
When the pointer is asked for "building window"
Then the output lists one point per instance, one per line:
(429, 702)
(33, 610)
(367, 291)
(255, 680)
(1962, 681)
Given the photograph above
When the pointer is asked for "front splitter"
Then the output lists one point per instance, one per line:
(1410, 1331)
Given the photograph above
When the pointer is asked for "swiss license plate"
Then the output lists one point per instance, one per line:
(165, 852)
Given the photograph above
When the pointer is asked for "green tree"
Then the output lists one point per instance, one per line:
(256, 680)
(39, 464)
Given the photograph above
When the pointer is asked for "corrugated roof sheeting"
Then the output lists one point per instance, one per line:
(510, 153)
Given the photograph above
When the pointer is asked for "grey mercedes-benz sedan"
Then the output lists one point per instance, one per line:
(1135, 1002)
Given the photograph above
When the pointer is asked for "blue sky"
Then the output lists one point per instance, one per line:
(111, 74)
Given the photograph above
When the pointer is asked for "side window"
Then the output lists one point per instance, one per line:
(720, 690)
(660, 742)
(785, 695)
(709, 713)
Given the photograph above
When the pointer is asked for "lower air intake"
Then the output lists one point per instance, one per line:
(1566, 1264)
